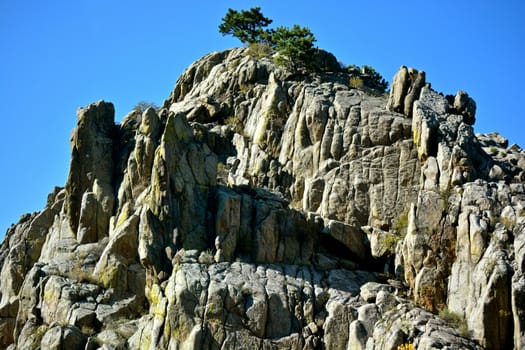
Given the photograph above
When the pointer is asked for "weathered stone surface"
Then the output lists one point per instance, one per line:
(90, 199)
(58, 337)
(465, 106)
(261, 209)
(399, 90)
(405, 90)
(370, 290)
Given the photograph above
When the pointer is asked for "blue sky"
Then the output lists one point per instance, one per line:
(57, 56)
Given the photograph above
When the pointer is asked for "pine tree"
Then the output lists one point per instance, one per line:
(247, 26)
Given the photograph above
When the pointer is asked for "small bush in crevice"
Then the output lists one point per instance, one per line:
(369, 76)
(235, 123)
(455, 320)
(356, 83)
(143, 105)
(260, 49)
(406, 347)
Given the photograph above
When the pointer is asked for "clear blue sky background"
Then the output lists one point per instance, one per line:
(56, 56)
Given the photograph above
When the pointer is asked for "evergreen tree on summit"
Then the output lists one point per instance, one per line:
(247, 25)
(295, 46)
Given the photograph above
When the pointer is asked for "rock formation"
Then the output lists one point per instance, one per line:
(261, 209)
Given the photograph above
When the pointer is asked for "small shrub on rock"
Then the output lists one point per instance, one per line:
(356, 83)
(143, 105)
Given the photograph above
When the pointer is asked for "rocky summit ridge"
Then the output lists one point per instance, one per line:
(262, 209)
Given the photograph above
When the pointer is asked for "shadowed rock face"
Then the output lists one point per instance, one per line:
(261, 209)
(89, 202)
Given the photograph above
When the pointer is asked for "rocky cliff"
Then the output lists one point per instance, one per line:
(261, 209)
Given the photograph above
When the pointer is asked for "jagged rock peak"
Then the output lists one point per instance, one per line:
(89, 202)
(262, 208)
(406, 87)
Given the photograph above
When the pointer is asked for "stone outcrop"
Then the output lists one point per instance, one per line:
(405, 90)
(89, 202)
(262, 209)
